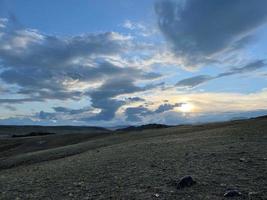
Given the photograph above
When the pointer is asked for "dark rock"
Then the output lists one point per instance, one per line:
(186, 181)
(153, 165)
(232, 193)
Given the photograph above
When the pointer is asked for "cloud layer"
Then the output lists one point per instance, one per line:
(44, 67)
(199, 31)
(200, 79)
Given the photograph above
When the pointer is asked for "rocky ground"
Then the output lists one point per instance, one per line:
(146, 165)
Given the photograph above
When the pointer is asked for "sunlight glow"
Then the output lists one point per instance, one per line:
(186, 107)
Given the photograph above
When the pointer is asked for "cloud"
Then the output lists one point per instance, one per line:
(18, 100)
(194, 81)
(3, 22)
(71, 111)
(167, 107)
(250, 67)
(139, 29)
(45, 67)
(200, 79)
(104, 97)
(37, 62)
(46, 115)
(198, 31)
(11, 108)
(175, 118)
(132, 26)
(135, 114)
(135, 99)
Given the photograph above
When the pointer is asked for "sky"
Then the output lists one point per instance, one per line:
(126, 62)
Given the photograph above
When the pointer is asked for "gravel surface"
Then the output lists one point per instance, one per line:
(147, 164)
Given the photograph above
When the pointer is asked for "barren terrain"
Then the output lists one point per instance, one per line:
(143, 164)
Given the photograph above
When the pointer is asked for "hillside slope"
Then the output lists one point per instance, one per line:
(144, 165)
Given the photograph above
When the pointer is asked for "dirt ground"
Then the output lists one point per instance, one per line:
(144, 165)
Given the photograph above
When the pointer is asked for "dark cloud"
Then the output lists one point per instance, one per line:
(18, 101)
(194, 81)
(37, 62)
(41, 66)
(28, 48)
(197, 30)
(103, 97)
(197, 80)
(135, 114)
(135, 99)
(71, 111)
(167, 107)
(46, 115)
(250, 67)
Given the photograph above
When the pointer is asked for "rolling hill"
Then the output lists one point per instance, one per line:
(141, 164)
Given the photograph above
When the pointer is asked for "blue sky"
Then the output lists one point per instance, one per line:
(68, 17)
(118, 62)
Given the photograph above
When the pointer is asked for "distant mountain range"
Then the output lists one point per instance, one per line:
(20, 131)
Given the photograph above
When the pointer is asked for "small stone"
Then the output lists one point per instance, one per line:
(70, 194)
(232, 193)
(156, 195)
(41, 142)
(242, 159)
(186, 181)
(78, 184)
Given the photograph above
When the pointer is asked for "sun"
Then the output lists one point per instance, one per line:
(186, 107)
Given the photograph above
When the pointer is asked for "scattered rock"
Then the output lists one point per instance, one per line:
(186, 181)
(232, 193)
